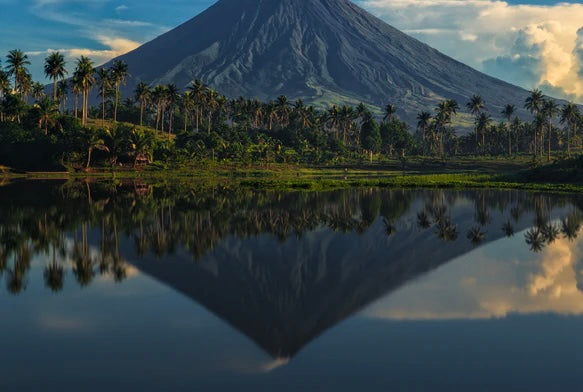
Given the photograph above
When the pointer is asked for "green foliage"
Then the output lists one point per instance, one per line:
(370, 136)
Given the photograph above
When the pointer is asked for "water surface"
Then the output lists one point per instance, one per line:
(133, 286)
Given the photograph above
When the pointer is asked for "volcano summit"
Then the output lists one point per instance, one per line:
(323, 51)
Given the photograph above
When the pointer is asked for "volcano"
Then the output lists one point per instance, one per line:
(323, 51)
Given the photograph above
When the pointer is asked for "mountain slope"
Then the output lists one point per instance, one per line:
(325, 51)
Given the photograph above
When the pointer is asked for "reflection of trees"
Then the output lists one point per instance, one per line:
(162, 219)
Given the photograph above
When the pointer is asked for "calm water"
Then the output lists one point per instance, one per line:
(140, 287)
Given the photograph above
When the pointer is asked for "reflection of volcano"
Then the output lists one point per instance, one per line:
(284, 294)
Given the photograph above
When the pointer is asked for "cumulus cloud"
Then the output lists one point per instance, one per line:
(530, 45)
(114, 47)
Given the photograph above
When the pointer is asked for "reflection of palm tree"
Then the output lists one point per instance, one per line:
(423, 221)
(535, 239)
(550, 232)
(570, 226)
(476, 235)
(446, 231)
(54, 274)
(508, 229)
(389, 227)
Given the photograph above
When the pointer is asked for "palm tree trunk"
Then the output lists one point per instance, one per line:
(116, 101)
(550, 136)
(141, 113)
(89, 151)
(54, 89)
(569, 141)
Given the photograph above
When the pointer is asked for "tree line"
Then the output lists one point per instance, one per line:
(162, 123)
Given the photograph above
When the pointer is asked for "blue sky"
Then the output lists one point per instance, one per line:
(528, 42)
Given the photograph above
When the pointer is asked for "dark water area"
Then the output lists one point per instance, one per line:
(134, 286)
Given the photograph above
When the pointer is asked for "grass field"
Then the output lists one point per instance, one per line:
(415, 173)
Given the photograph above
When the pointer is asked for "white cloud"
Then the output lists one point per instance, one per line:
(115, 47)
(494, 35)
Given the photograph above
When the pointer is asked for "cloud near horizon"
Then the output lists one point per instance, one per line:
(115, 47)
(525, 44)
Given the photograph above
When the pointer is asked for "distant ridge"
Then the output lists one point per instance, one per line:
(324, 51)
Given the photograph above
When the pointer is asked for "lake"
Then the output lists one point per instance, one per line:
(138, 286)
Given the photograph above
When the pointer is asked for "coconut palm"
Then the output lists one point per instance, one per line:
(550, 110)
(142, 95)
(483, 122)
(62, 91)
(570, 116)
(47, 111)
(119, 73)
(534, 104)
(159, 99)
(187, 107)
(508, 112)
(38, 91)
(211, 105)
(445, 112)
(283, 110)
(423, 124)
(17, 63)
(197, 89)
(172, 99)
(104, 82)
(85, 74)
(55, 69)
(390, 111)
(476, 106)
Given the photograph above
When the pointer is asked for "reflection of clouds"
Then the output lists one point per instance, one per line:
(493, 282)
(60, 323)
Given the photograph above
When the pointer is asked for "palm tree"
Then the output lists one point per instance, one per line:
(476, 106)
(211, 104)
(550, 109)
(93, 141)
(423, 123)
(172, 98)
(4, 90)
(187, 107)
(197, 90)
(17, 62)
(143, 94)
(283, 110)
(534, 104)
(119, 73)
(390, 111)
(62, 91)
(55, 70)
(483, 122)
(104, 83)
(508, 112)
(38, 91)
(445, 112)
(159, 98)
(571, 116)
(47, 111)
(86, 78)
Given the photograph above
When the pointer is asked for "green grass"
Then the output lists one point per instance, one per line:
(419, 173)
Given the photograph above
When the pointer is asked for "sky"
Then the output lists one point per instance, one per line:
(531, 43)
